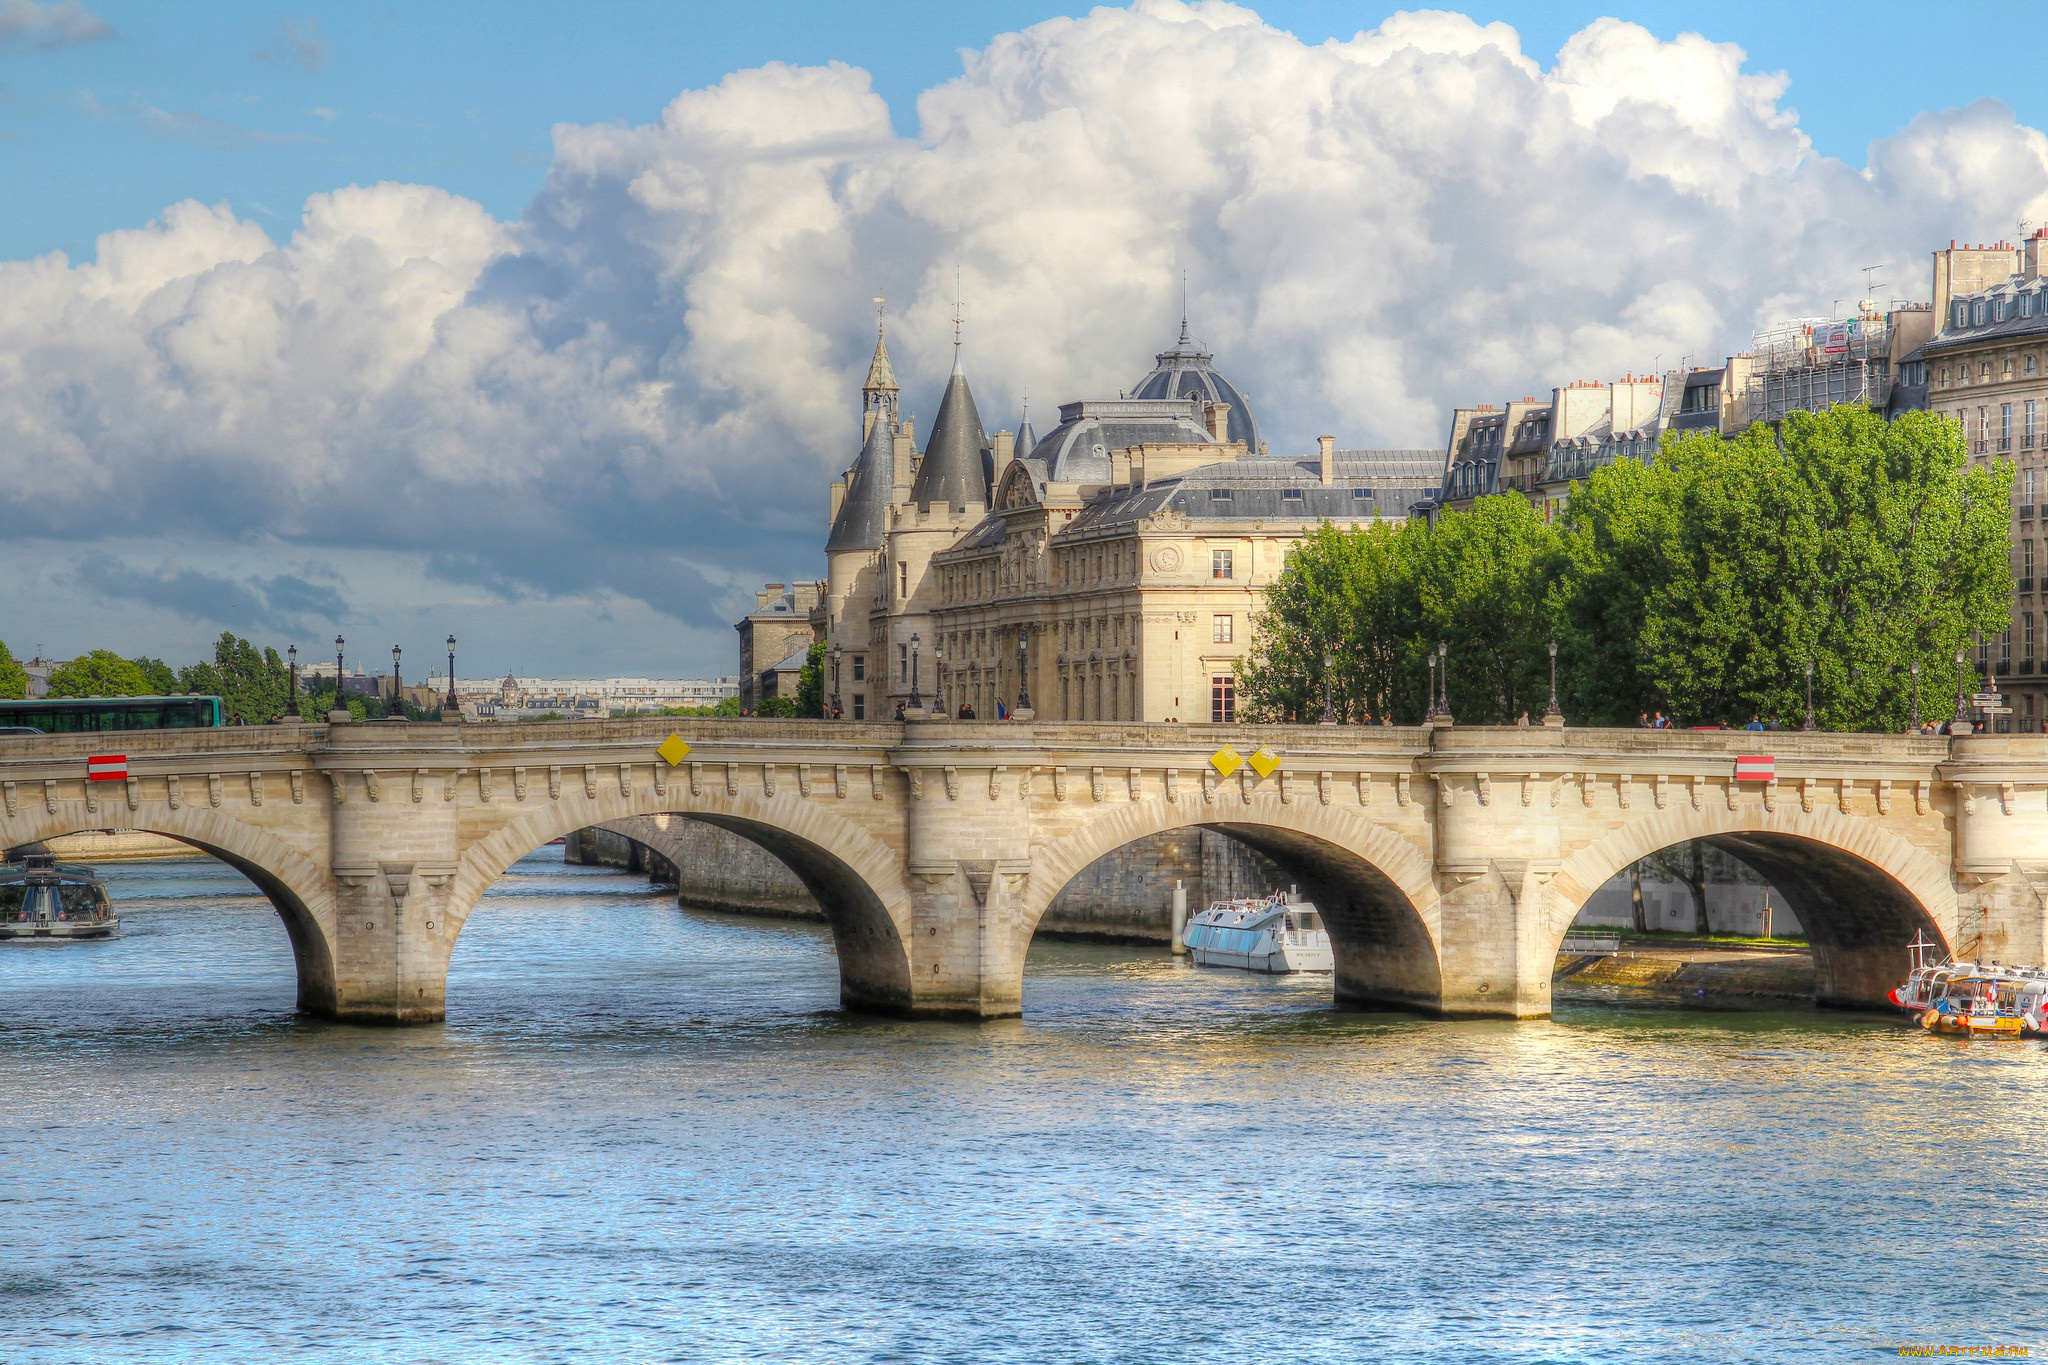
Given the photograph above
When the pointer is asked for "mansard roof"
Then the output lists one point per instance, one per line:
(864, 515)
(1369, 483)
(958, 462)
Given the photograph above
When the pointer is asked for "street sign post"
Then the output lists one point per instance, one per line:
(1988, 698)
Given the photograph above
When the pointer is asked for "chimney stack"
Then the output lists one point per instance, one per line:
(1329, 445)
(1218, 416)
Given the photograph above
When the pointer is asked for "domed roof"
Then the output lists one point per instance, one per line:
(1186, 371)
(1078, 449)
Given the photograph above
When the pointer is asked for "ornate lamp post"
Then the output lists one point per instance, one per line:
(451, 707)
(1915, 722)
(1023, 669)
(835, 682)
(916, 700)
(340, 711)
(1443, 679)
(1551, 710)
(938, 680)
(291, 655)
(1430, 714)
(1329, 712)
(1962, 716)
(397, 696)
(1808, 723)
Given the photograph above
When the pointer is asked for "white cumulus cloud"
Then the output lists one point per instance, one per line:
(640, 388)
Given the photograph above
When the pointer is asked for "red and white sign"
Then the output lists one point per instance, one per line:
(1755, 768)
(107, 768)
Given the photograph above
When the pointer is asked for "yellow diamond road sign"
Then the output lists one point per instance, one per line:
(1225, 760)
(674, 750)
(1263, 761)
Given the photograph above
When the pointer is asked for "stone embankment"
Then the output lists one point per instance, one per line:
(1126, 897)
(1702, 975)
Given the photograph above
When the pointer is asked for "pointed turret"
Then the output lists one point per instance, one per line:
(1026, 437)
(958, 459)
(864, 514)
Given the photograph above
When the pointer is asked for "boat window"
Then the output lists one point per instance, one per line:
(13, 899)
(78, 899)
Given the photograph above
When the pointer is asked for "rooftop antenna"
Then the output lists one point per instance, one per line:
(1870, 281)
(881, 307)
(956, 319)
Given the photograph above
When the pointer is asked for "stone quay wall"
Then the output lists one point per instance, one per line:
(1126, 897)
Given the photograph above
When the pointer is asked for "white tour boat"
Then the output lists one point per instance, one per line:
(1973, 997)
(43, 898)
(1277, 934)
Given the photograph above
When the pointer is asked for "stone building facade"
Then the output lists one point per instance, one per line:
(1109, 571)
(774, 638)
(1987, 367)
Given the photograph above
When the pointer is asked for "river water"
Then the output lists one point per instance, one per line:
(649, 1134)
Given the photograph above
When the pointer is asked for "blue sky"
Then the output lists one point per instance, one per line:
(465, 94)
(543, 324)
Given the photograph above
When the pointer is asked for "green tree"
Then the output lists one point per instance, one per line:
(1483, 588)
(98, 673)
(777, 706)
(162, 680)
(251, 684)
(1858, 545)
(1348, 595)
(1618, 543)
(13, 678)
(810, 683)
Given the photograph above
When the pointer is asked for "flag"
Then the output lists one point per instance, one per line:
(1755, 768)
(1002, 712)
(107, 768)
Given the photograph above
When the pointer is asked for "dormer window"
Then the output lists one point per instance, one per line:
(1290, 495)
(1962, 315)
(1361, 495)
(1219, 495)
(1977, 313)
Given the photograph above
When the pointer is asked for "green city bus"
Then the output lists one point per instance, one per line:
(91, 715)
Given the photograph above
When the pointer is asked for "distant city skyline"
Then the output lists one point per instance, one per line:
(545, 327)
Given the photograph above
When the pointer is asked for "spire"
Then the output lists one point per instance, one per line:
(1026, 437)
(956, 320)
(865, 512)
(1183, 308)
(881, 375)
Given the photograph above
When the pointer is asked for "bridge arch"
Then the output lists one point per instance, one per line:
(1860, 890)
(300, 891)
(855, 877)
(1375, 889)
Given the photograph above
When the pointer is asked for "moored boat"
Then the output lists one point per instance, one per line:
(41, 898)
(1973, 997)
(1279, 935)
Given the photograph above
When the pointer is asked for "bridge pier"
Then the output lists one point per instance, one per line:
(394, 870)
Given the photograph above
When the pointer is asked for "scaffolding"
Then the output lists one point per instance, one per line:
(1809, 364)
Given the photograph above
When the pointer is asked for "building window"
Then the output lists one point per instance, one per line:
(1219, 564)
(2005, 646)
(902, 581)
(860, 707)
(2027, 636)
(903, 663)
(1222, 629)
(2027, 569)
(2005, 426)
(1361, 495)
(860, 668)
(2027, 422)
(1290, 495)
(1977, 316)
(1222, 699)
(1219, 495)
(1962, 312)
(2027, 483)
(2030, 364)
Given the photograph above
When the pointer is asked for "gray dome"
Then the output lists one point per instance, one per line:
(1077, 450)
(1185, 371)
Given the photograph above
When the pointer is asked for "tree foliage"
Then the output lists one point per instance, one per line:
(99, 673)
(810, 683)
(251, 684)
(1700, 585)
(13, 677)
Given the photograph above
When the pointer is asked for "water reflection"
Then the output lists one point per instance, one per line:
(651, 1134)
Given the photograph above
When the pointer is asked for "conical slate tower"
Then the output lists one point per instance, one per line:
(864, 515)
(958, 459)
(1026, 437)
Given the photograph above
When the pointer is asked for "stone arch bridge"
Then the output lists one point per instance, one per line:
(1449, 862)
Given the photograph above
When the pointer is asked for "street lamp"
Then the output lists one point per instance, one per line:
(1443, 675)
(835, 682)
(453, 706)
(1329, 712)
(1915, 725)
(1023, 672)
(1962, 716)
(916, 700)
(1808, 723)
(291, 655)
(1430, 659)
(340, 711)
(938, 679)
(1551, 710)
(397, 700)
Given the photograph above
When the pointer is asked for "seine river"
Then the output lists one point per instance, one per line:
(648, 1134)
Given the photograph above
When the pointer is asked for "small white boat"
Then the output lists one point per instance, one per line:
(43, 898)
(1276, 935)
(1973, 997)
